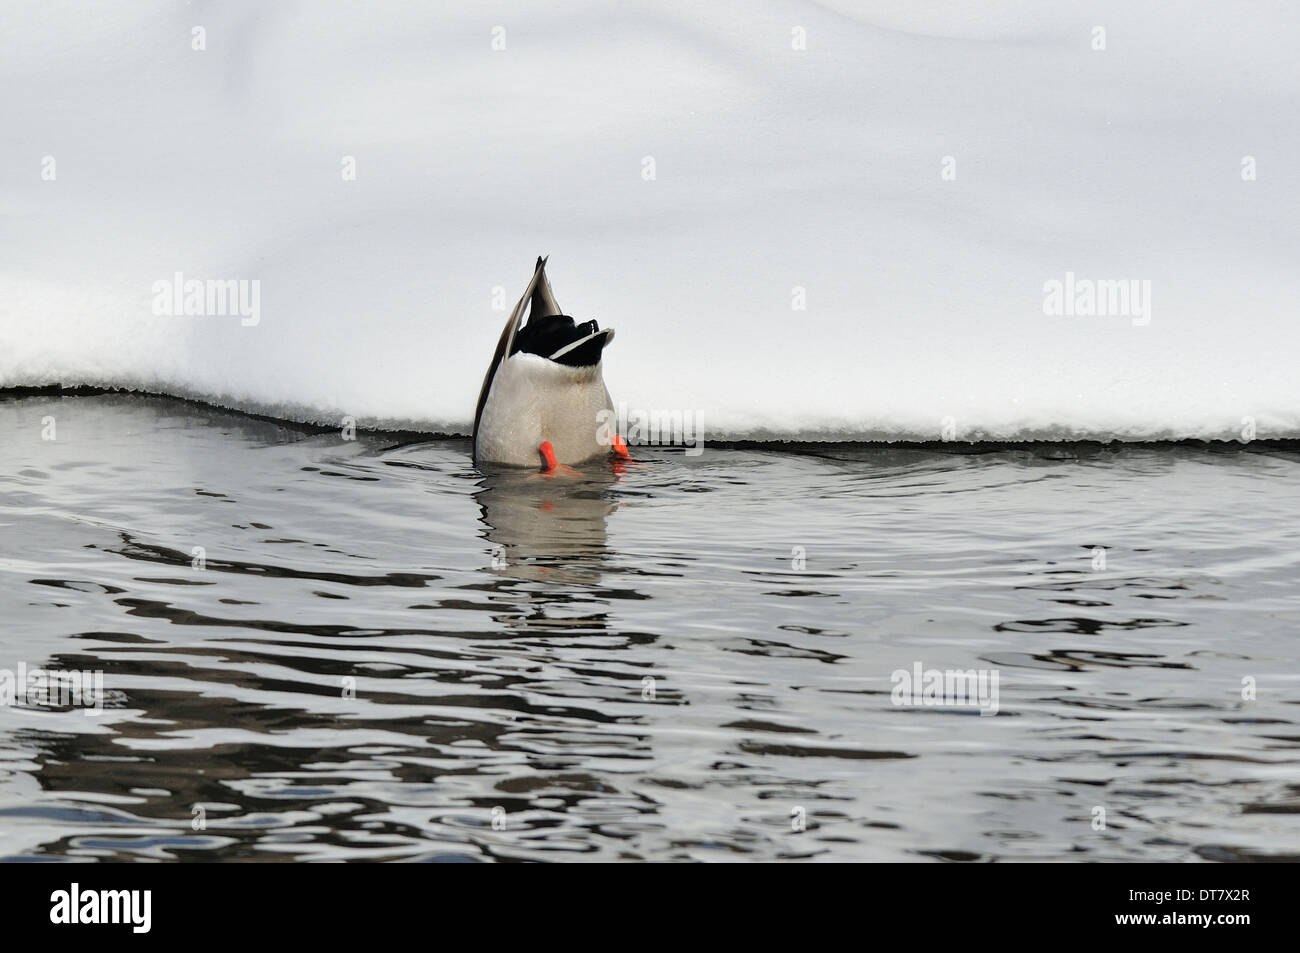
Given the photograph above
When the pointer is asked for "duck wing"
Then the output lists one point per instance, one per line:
(537, 293)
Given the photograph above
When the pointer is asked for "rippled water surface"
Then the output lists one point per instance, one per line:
(388, 655)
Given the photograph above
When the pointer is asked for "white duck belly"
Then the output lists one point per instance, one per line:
(532, 400)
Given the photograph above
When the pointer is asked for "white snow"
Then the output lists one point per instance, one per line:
(775, 168)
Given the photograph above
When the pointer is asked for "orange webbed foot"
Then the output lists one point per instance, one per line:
(551, 468)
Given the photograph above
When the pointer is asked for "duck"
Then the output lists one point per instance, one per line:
(544, 395)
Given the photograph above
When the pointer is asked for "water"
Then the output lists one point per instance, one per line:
(687, 659)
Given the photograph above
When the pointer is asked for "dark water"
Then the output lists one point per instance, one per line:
(385, 650)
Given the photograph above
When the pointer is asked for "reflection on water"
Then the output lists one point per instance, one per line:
(548, 528)
(323, 649)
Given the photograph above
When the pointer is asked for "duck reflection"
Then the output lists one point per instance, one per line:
(548, 528)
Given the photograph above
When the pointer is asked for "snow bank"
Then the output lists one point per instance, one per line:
(849, 239)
